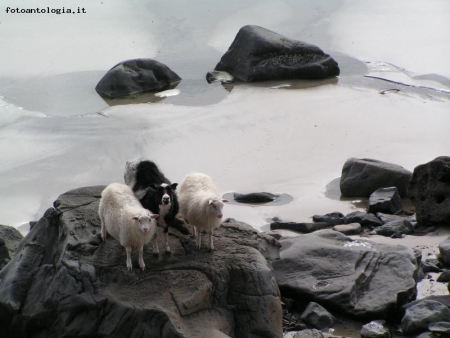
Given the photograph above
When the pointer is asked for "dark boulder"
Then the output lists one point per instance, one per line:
(385, 200)
(354, 277)
(258, 54)
(333, 218)
(363, 218)
(299, 227)
(317, 316)
(419, 316)
(136, 76)
(444, 252)
(255, 197)
(399, 227)
(386, 218)
(429, 191)
(65, 282)
(361, 177)
(444, 277)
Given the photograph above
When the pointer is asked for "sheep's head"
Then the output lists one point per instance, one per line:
(164, 192)
(216, 207)
(144, 221)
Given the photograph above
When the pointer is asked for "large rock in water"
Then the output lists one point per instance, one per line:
(136, 76)
(361, 177)
(65, 282)
(360, 278)
(429, 190)
(258, 54)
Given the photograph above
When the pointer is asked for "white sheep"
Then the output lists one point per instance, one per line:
(122, 215)
(201, 204)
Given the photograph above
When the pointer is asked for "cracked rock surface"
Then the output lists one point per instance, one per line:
(64, 281)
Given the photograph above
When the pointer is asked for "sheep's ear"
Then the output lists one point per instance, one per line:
(154, 186)
(210, 202)
(135, 218)
(154, 216)
(225, 201)
(174, 185)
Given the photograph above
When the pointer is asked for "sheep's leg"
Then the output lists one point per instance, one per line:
(141, 258)
(129, 266)
(194, 231)
(199, 238)
(211, 245)
(155, 243)
(103, 231)
(166, 238)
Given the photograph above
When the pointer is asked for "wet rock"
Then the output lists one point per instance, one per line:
(444, 277)
(299, 227)
(355, 277)
(348, 229)
(361, 177)
(363, 218)
(255, 197)
(399, 227)
(258, 54)
(444, 252)
(136, 76)
(317, 316)
(385, 200)
(309, 333)
(429, 191)
(217, 76)
(333, 218)
(375, 329)
(64, 281)
(419, 316)
(11, 239)
(441, 328)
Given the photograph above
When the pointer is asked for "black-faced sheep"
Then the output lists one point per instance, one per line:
(122, 215)
(201, 204)
(157, 194)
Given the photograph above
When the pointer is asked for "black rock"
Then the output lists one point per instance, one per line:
(429, 191)
(11, 239)
(444, 252)
(317, 316)
(299, 227)
(419, 316)
(333, 218)
(361, 177)
(255, 197)
(385, 200)
(136, 76)
(429, 267)
(444, 277)
(400, 227)
(258, 54)
(363, 218)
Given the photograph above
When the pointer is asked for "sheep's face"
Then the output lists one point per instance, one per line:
(144, 222)
(164, 193)
(216, 206)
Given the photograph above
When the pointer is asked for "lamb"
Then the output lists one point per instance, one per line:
(201, 204)
(122, 215)
(157, 194)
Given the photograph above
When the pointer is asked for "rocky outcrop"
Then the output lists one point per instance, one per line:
(64, 281)
(136, 76)
(361, 177)
(429, 191)
(258, 54)
(356, 277)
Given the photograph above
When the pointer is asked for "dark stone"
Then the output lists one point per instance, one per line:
(299, 227)
(361, 177)
(444, 252)
(441, 328)
(385, 200)
(375, 329)
(317, 316)
(386, 218)
(309, 333)
(444, 277)
(65, 282)
(419, 316)
(274, 234)
(136, 76)
(258, 54)
(255, 197)
(400, 227)
(441, 299)
(429, 191)
(333, 218)
(363, 218)
(348, 229)
(217, 76)
(429, 267)
(354, 277)
(11, 237)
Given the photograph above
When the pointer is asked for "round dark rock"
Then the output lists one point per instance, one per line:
(136, 76)
(429, 191)
(255, 197)
(258, 54)
(317, 316)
